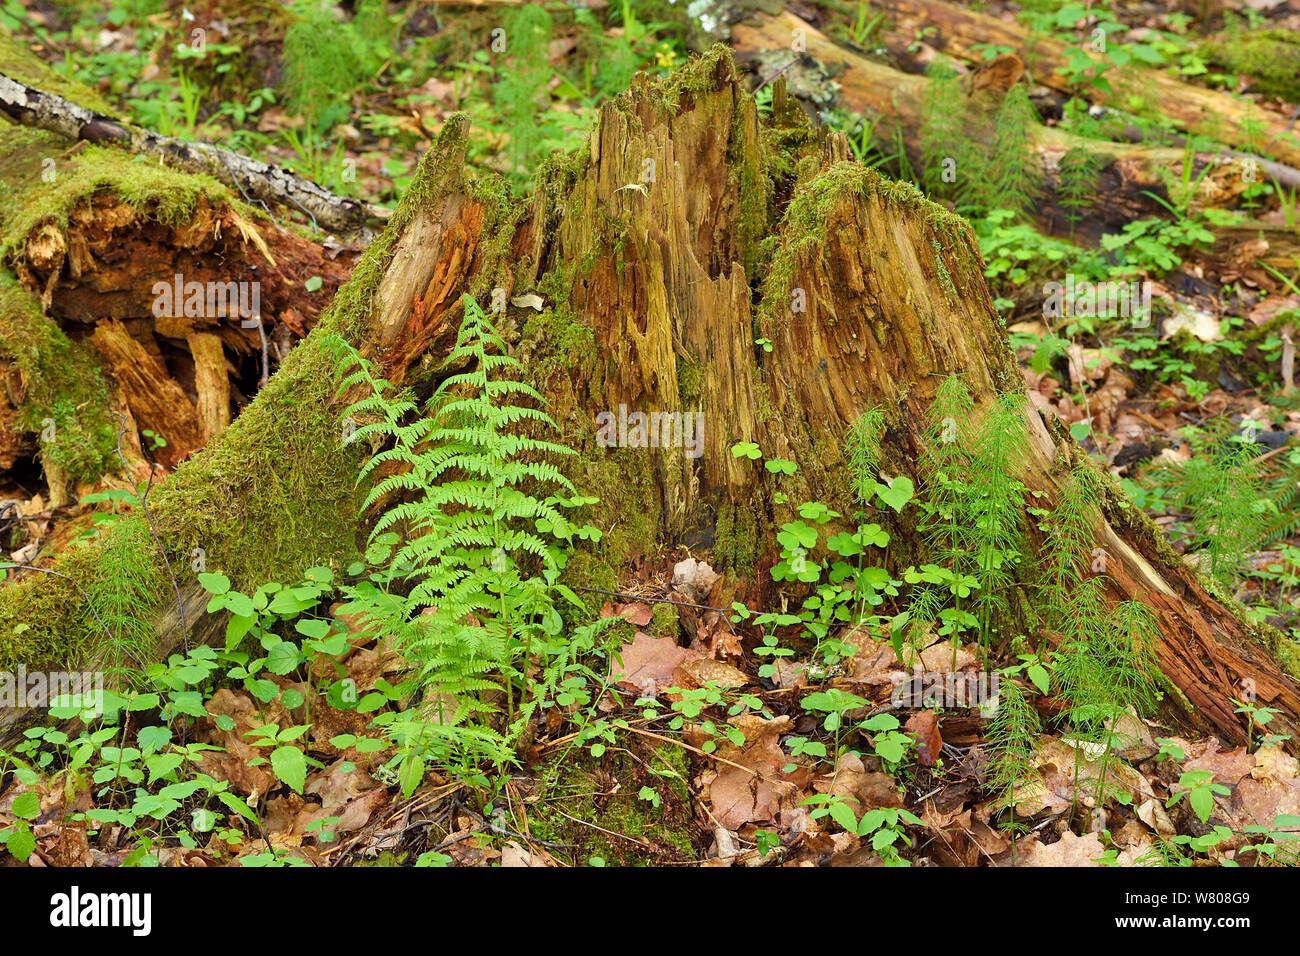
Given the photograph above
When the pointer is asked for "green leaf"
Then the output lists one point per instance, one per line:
(313, 284)
(283, 658)
(240, 605)
(796, 533)
(26, 806)
(153, 739)
(1038, 674)
(780, 466)
(291, 698)
(312, 628)
(160, 765)
(263, 690)
(411, 774)
(214, 583)
(21, 844)
(1202, 801)
(842, 814)
(290, 765)
(236, 803)
(897, 493)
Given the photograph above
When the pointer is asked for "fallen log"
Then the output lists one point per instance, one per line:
(1126, 172)
(654, 298)
(1224, 117)
(254, 180)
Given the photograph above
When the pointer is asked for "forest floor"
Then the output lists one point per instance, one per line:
(691, 747)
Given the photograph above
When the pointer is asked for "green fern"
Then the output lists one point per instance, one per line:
(479, 553)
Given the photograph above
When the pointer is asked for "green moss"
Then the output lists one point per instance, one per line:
(386, 859)
(582, 788)
(20, 64)
(629, 510)
(737, 542)
(690, 382)
(665, 621)
(808, 216)
(64, 399)
(584, 570)
(1270, 57)
(168, 196)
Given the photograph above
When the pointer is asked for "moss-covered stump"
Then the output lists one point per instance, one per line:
(665, 255)
(271, 496)
(94, 235)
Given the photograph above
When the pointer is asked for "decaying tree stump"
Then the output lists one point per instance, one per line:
(686, 233)
(90, 235)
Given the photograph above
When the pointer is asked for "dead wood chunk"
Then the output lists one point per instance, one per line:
(156, 401)
(11, 439)
(1002, 73)
(211, 383)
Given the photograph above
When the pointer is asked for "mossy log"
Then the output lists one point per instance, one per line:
(663, 254)
(1127, 173)
(32, 104)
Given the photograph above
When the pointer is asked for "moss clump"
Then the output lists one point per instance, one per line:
(1270, 57)
(168, 196)
(665, 621)
(690, 382)
(63, 398)
(737, 541)
(20, 64)
(585, 571)
(606, 793)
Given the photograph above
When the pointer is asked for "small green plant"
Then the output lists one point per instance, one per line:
(1198, 788)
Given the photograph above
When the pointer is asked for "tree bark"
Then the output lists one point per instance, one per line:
(686, 233)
